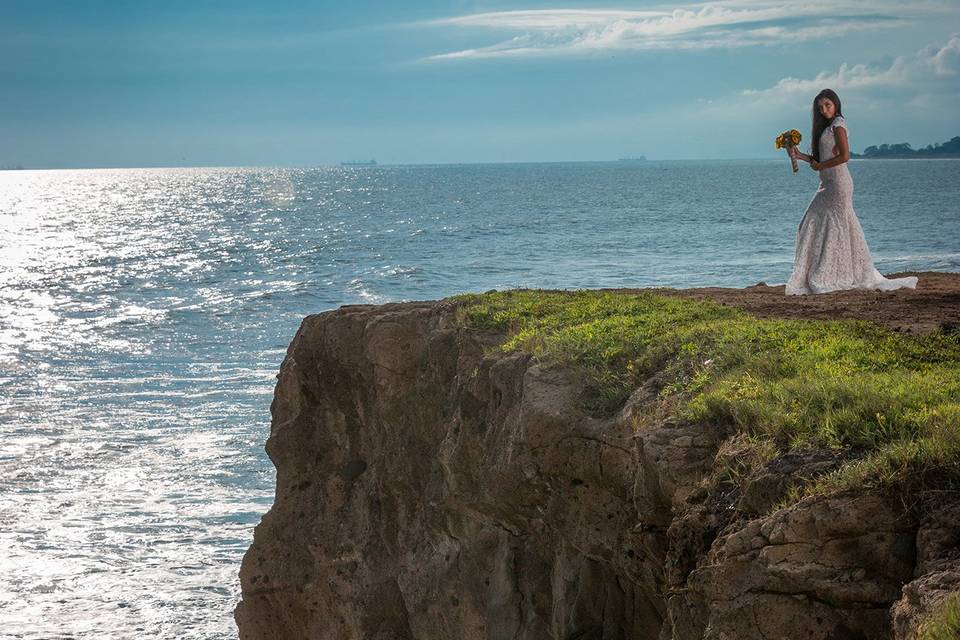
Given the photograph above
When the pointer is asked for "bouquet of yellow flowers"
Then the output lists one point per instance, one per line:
(789, 139)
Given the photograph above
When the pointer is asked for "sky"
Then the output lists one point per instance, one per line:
(296, 83)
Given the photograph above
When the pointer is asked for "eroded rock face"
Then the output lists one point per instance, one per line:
(826, 568)
(937, 572)
(430, 487)
(425, 490)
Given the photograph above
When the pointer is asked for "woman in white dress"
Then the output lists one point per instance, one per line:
(832, 253)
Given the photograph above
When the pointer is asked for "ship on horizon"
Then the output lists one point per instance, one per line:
(359, 163)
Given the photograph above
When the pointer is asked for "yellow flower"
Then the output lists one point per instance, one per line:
(787, 139)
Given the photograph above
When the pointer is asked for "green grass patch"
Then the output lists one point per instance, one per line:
(891, 400)
(944, 622)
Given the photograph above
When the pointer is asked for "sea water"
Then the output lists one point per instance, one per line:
(144, 314)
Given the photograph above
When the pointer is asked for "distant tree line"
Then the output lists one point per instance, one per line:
(949, 149)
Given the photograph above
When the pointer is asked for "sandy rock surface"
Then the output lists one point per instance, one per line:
(934, 304)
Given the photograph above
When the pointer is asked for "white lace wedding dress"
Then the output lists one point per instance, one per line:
(832, 253)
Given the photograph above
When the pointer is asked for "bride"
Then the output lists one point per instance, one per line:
(832, 253)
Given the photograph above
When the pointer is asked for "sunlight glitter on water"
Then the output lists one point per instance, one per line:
(133, 470)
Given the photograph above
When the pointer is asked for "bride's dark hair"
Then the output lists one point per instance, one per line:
(819, 122)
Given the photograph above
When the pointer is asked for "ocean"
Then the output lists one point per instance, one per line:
(144, 314)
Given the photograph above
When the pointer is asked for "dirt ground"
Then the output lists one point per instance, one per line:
(934, 304)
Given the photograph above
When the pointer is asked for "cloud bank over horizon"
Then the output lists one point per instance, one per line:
(924, 69)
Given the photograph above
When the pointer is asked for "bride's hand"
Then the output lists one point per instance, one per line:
(814, 165)
(795, 153)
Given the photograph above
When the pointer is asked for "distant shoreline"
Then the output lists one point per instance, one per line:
(903, 151)
(858, 156)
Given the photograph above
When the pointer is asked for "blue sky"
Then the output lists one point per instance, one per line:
(309, 83)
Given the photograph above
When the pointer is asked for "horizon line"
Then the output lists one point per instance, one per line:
(337, 165)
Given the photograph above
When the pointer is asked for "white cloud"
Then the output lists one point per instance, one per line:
(924, 69)
(720, 24)
(913, 95)
(545, 19)
(946, 61)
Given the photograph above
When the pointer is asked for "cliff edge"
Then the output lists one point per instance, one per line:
(432, 484)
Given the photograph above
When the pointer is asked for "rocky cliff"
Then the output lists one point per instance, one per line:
(430, 486)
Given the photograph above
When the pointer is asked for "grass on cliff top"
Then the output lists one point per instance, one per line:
(944, 622)
(892, 400)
